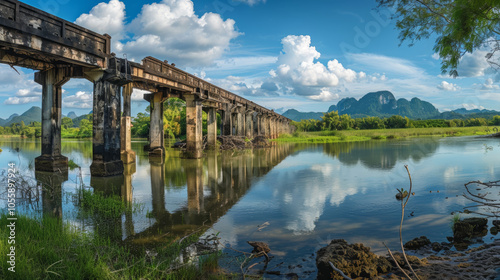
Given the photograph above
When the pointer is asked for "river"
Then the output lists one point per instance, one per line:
(302, 195)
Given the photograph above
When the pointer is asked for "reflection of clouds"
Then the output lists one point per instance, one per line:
(304, 201)
(450, 173)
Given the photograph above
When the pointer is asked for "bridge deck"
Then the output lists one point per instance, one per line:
(35, 39)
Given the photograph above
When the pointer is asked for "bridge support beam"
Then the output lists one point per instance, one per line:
(156, 134)
(194, 133)
(249, 124)
(51, 159)
(127, 154)
(212, 128)
(106, 159)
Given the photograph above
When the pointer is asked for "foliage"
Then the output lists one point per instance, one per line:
(462, 26)
(66, 122)
(140, 125)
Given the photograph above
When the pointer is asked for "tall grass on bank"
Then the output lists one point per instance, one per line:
(47, 248)
(380, 134)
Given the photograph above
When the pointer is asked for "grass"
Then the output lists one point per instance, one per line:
(380, 134)
(46, 248)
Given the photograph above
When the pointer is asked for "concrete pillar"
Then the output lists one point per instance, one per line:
(194, 133)
(107, 117)
(240, 116)
(257, 124)
(127, 154)
(212, 128)
(234, 123)
(51, 159)
(156, 134)
(249, 124)
(226, 122)
(263, 125)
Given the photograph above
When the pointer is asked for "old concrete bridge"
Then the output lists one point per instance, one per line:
(61, 50)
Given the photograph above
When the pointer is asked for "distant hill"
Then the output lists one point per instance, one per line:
(76, 121)
(384, 104)
(34, 114)
(297, 116)
(72, 115)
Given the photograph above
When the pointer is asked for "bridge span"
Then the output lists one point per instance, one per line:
(60, 50)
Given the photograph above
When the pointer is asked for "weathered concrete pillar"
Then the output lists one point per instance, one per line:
(267, 120)
(106, 141)
(194, 133)
(234, 123)
(249, 124)
(257, 124)
(271, 128)
(127, 154)
(51, 159)
(156, 134)
(226, 122)
(212, 127)
(263, 125)
(240, 116)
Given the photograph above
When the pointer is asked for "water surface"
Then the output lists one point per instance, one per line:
(308, 194)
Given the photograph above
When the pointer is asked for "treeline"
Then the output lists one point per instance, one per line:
(334, 121)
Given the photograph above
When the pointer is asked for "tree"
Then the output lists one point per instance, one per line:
(67, 122)
(462, 26)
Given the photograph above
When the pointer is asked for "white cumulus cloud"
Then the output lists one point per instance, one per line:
(299, 71)
(489, 84)
(448, 86)
(105, 18)
(81, 100)
(171, 30)
(21, 100)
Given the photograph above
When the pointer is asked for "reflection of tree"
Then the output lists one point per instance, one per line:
(382, 155)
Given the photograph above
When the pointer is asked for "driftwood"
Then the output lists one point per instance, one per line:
(482, 195)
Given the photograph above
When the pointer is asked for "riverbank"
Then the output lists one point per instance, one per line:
(382, 134)
(47, 248)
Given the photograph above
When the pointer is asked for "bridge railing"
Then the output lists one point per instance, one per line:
(163, 69)
(27, 19)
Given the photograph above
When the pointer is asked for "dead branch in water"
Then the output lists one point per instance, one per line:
(403, 206)
(485, 204)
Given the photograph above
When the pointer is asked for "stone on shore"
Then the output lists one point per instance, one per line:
(356, 261)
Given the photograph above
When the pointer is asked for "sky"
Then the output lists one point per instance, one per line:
(305, 55)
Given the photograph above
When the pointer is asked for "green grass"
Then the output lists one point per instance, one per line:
(380, 134)
(46, 248)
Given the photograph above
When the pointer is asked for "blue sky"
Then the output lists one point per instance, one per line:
(305, 55)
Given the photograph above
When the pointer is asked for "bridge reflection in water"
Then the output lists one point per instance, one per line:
(210, 187)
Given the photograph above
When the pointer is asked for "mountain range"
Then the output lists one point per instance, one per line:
(34, 114)
(383, 104)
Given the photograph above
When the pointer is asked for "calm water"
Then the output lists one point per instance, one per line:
(308, 194)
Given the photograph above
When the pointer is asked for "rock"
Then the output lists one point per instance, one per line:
(417, 243)
(437, 247)
(259, 247)
(415, 262)
(496, 223)
(494, 230)
(464, 230)
(356, 261)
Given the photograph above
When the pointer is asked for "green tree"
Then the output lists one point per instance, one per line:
(67, 122)
(462, 26)
(85, 128)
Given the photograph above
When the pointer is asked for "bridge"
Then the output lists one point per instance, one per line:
(60, 50)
